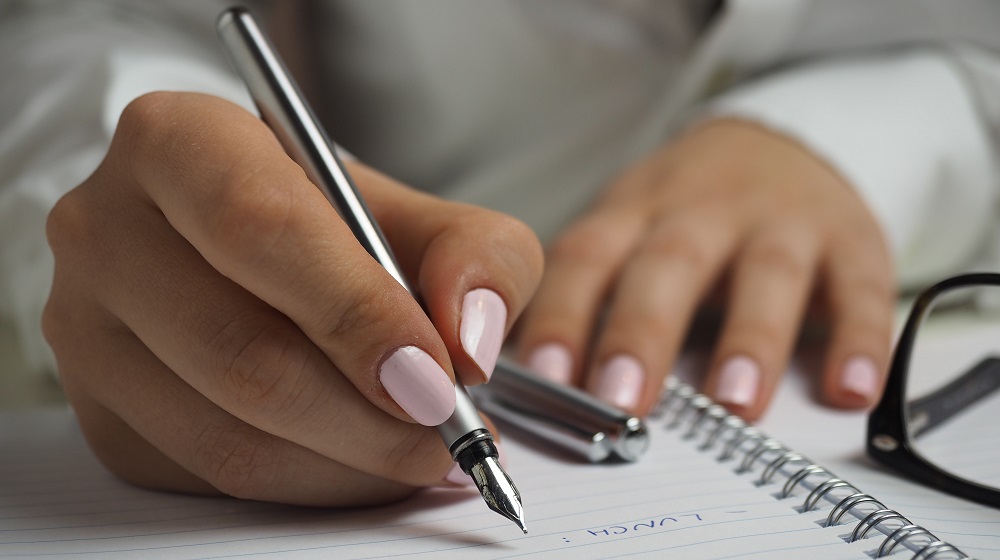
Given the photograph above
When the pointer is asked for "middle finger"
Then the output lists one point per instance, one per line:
(656, 296)
(771, 282)
(154, 430)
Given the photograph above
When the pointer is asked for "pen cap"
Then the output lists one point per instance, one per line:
(562, 415)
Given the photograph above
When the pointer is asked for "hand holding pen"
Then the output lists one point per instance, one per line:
(220, 330)
(405, 373)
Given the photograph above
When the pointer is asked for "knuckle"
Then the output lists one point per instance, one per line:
(662, 323)
(54, 319)
(867, 293)
(352, 312)
(880, 308)
(148, 125)
(518, 248)
(237, 461)
(779, 259)
(863, 244)
(145, 110)
(761, 335)
(681, 245)
(876, 288)
(584, 244)
(261, 366)
(869, 334)
(69, 225)
(246, 208)
(73, 236)
(248, 215)
(518, 233)
(868, 322)
(639, 326)
(401, 459)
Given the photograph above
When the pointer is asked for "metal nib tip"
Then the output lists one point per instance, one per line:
(498, 490)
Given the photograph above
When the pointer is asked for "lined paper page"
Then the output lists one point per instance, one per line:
(57, 502)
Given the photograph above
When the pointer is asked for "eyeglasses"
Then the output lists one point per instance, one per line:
(939, 419)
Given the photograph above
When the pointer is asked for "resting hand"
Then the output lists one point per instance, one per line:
(728, 200)
(218, 328)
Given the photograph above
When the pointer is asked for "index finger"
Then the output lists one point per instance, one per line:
(475, 269)
(223, 182)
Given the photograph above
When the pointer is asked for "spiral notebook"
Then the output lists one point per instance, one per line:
(710, 487)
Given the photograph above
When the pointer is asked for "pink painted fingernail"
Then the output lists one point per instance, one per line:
(418, 385)
(620, 381)
(484, 319)
(860, 376)
(552, 361)
(739, 382)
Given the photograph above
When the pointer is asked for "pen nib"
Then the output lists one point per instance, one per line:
(498, 490)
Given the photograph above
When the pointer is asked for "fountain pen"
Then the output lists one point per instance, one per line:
(283, 108)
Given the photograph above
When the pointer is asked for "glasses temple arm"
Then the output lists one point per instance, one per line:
(931, 410)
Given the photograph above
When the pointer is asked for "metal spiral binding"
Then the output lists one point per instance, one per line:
(801, 475)
(747, 433)
(822, 490)
(873, 519)
(711, 412)
(702, 418)
(847, 504)
(774, 466)
(762, 447)
(728, 422)
(932, 550)
(904, 533)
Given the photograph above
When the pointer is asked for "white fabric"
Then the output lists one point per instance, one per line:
(77, 65)
(530, 107)
(923, 163)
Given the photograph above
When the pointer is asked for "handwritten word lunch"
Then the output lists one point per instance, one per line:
(652, 523)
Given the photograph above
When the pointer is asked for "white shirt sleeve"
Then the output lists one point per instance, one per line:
(904, 129)
(77, 66)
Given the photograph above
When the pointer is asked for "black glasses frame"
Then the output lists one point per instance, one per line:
(888, 437)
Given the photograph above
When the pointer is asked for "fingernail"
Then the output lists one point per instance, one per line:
(418, 385)
(552, 361)
(739, 382)
(860, 376)
(484, 319)
(620, 381)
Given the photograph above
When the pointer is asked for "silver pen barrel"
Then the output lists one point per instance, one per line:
(293, 122)
(283, 107)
